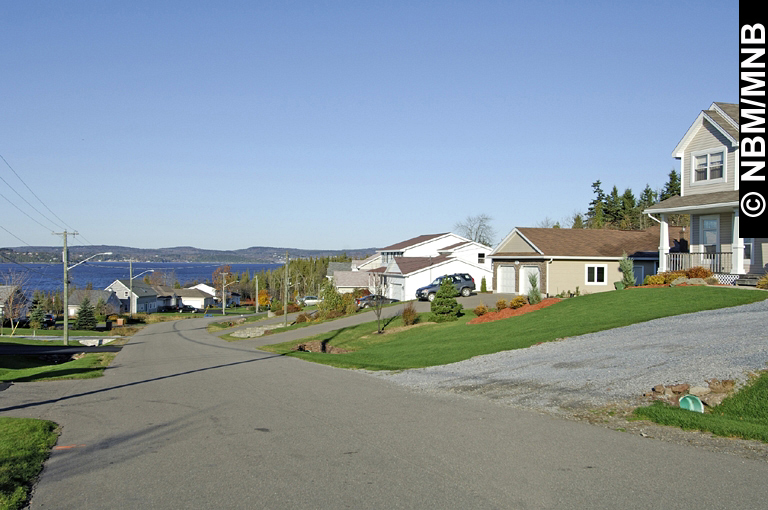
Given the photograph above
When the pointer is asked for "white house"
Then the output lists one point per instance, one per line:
(195, 298)
(414, 263)
(143, 300)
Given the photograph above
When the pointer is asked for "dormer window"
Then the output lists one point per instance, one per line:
(708, 167)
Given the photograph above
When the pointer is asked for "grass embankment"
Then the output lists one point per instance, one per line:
(444, 343)
(24, 446)
(743, 414)
(43, 368)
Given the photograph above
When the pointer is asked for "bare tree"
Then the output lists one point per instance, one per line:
(377, 283)
(477, 228)
(13, 301)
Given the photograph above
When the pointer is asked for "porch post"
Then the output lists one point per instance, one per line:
(663, 244)
(737, 246)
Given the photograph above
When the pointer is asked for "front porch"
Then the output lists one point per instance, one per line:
(717, 262)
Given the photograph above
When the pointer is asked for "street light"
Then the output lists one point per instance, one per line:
(66, 285)
(223, 293)
(130, 284)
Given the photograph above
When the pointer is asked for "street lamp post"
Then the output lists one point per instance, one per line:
(130, 285)
(65, 297)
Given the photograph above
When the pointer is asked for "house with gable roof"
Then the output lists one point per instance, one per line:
(709, 193)
(565, 259)
(416, 262)
(142, 300)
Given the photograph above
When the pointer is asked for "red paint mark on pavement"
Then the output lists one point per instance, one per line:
(68, 447)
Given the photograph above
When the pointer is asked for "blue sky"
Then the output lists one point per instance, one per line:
(334, 125)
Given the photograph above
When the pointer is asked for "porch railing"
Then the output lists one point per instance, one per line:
(717, 262)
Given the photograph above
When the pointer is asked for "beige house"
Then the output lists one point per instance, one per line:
(566, 259)
(709, 160)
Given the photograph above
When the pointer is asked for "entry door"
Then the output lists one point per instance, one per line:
(506, 275)
(525, 282)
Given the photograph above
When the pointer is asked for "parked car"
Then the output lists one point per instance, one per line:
(187, 308)
(50, 320)
(372, 300)
(310, 300)
(463, 282)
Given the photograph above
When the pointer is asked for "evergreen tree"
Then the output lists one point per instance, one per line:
(37, 317)
(647, 198)
(630, 216)
(627, 269)
(534, 295)
(596, 211)
(445, 307)
(672, 187)
(86, 318)
(578, 221)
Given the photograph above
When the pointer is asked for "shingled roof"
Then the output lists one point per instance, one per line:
(412, 242)
(565, 242)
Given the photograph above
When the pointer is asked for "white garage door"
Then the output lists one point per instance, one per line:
(506, 275)
(525, 281)
(396, 291)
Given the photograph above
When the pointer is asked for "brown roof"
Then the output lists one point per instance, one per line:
(723, 123)
(409, 265)
(565, 242)
(456, 245)
(351, 278)
(701, 199)
(412, 242)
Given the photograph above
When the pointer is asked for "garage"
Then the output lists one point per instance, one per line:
(506, 276)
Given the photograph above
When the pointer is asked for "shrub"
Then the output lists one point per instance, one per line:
(480, 310)
(37, 317)
(303, 317)
(671, 276)
(698, 272)
(332, 300)
(762, 283)
(517, 302)
(712, 281)
(349, 303)
(445, 307)
(534, 295)
(627, 270)
(86, 318)
(483, 285)
(654, 279)
(501, 304)
(410, 315)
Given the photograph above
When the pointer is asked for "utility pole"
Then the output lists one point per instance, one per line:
(256, 300)
(130, 287)
(65, 297)
(285, 291)
(223, 293)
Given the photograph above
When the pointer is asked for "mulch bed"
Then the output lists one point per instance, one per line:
(509, 312)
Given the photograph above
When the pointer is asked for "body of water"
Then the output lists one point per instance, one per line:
(49, 277)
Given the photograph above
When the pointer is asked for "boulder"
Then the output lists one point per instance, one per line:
(679, 389)
(699, 391)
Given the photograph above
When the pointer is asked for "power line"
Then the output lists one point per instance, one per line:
(38, 199)
(23, 212)
(17, 237)
(30, 190)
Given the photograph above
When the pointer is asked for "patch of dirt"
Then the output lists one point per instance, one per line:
(400, 329)
(318, 346)
(509, 312)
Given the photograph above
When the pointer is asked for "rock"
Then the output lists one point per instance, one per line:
(679, 389)
(659, 388)
(713, 399)
(696, 281)
(699, 391)
(719, 386)
(679, 281)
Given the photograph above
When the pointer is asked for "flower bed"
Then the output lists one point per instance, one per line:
(509, 312)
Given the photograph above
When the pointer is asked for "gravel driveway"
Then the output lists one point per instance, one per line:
(611, 367)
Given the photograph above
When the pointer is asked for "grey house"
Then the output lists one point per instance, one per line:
(113, 304)
(144, 298)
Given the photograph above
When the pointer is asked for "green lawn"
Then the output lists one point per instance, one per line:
(439, 344)
(744, 414)
(24, 446)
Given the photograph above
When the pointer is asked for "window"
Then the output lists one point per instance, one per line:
(596, 274)
(481, 258)
(710, 228)
(748, 242)
(708, 166)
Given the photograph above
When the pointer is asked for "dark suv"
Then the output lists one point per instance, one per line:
(463, 282)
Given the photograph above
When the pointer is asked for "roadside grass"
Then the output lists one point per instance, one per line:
(213, 327)
(25, 443)
(48, 333)
(439, 344)
(40, 368)
(744, 414)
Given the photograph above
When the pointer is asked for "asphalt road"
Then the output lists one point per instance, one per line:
(183, 419)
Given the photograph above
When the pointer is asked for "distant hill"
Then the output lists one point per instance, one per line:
(254, 254)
